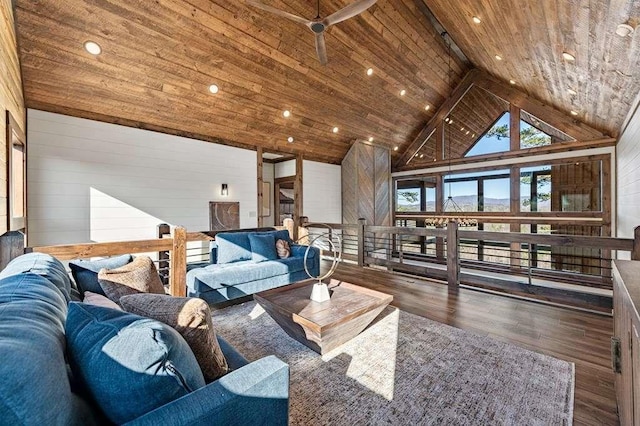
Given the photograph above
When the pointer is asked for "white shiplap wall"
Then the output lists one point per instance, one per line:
(93, 181)
(322, 192)
(628, 179)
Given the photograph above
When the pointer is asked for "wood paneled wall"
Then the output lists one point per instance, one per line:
(366, 185)
(628, 178)
(11, 96)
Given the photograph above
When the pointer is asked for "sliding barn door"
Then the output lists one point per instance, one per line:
(366, 192)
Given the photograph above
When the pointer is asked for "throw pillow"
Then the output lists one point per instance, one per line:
(283, 249)
(99, 300)
(189, 316)
(139, 276)
(85, 272)
(263, 247)
(130, 365)
(233, 247)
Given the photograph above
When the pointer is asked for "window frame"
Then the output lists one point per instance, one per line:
(15, 137)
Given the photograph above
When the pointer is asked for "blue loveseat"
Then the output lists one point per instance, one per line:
(242, 263)
(37, 388)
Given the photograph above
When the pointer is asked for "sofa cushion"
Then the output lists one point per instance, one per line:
(189, 316)
(298, 250)
(233, 247)
(44, 265)
(139, 276)
(282, 234)
(218, 276)
(263, 247)
(85, 272)
(34, 388)
(99, 300)
(129, 364)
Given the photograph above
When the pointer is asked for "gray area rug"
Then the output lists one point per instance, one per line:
(405, 369)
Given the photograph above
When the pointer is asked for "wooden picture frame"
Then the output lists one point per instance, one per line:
(16, 175)
(266, 199)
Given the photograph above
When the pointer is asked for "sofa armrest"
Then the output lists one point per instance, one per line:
(257, 393)
(298, 250)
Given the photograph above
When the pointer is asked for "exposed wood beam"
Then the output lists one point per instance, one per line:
(442, 112)
(441, 29)
(518, 100)
(260, 180)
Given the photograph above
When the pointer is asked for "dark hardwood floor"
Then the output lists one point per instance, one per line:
(578, 337)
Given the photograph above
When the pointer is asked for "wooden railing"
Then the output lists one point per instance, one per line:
(394, 248)
(12, 245)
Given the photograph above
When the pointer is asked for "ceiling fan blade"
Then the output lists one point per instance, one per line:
(321, 48)
(279, 12)
(347, 12)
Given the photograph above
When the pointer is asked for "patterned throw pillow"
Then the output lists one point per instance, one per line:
(282, 247)
(139, 276)
(189, 316)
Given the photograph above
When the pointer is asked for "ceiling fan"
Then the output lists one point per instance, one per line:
(319, 25)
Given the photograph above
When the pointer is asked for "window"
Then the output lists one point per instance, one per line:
(496, 139)
(478, 192)
(16, 176)
(416, 195)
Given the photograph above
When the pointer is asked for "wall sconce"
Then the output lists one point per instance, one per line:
(225, 190)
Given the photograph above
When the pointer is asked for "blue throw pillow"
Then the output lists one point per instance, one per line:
(263, 247)
(129, 364)
(85, 272)
(233, 247)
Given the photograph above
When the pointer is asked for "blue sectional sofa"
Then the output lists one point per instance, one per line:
(242, 263)
(38, 389)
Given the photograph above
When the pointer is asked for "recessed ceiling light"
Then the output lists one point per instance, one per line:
(92, 47)
(624, 30)
(290, 139)
(286, 113)
(568, 56)
(572, 92)
(498, 57)
(462, 129)
(467, 132)
(427, 108)
(574, 112)
(395, 148)
(369, 71)
(476, 19)
(370, 138)
(450, 121)
(473, 135)
(335, 130)
(512, 81)
(421, 155)
(446, 120)
(214, 89)
(403, 92)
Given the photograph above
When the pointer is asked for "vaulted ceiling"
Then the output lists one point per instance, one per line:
(160, 57)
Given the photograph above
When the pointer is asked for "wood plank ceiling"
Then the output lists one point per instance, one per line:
(531, 36)
(160, 57)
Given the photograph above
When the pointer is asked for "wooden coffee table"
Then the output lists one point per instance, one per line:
(327, 325)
